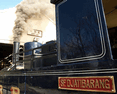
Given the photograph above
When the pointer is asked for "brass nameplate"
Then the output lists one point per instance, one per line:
(94, 83)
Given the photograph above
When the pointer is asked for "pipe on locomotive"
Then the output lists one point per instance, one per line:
(16, 46)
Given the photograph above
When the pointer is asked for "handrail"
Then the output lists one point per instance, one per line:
(32, 56)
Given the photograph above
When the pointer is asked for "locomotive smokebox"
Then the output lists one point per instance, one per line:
(16, 46)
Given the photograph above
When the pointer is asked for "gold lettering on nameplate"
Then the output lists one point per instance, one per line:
(97, 84)
(107, 85)
(91, 83)
(62, 82)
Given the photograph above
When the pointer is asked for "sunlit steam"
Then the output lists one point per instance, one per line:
(31, 9)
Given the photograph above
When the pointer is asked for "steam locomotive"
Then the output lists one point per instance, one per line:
(80, 60)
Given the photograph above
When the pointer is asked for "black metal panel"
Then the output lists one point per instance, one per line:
(49, 47)
(81, 32)
(47, 82)
(49, 60)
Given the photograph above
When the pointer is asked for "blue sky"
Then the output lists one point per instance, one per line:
(5, 4)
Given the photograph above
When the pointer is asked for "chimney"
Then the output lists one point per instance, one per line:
(16, 46)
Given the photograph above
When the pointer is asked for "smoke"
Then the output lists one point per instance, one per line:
(31, 9)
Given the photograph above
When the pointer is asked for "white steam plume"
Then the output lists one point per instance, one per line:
(28, 9)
